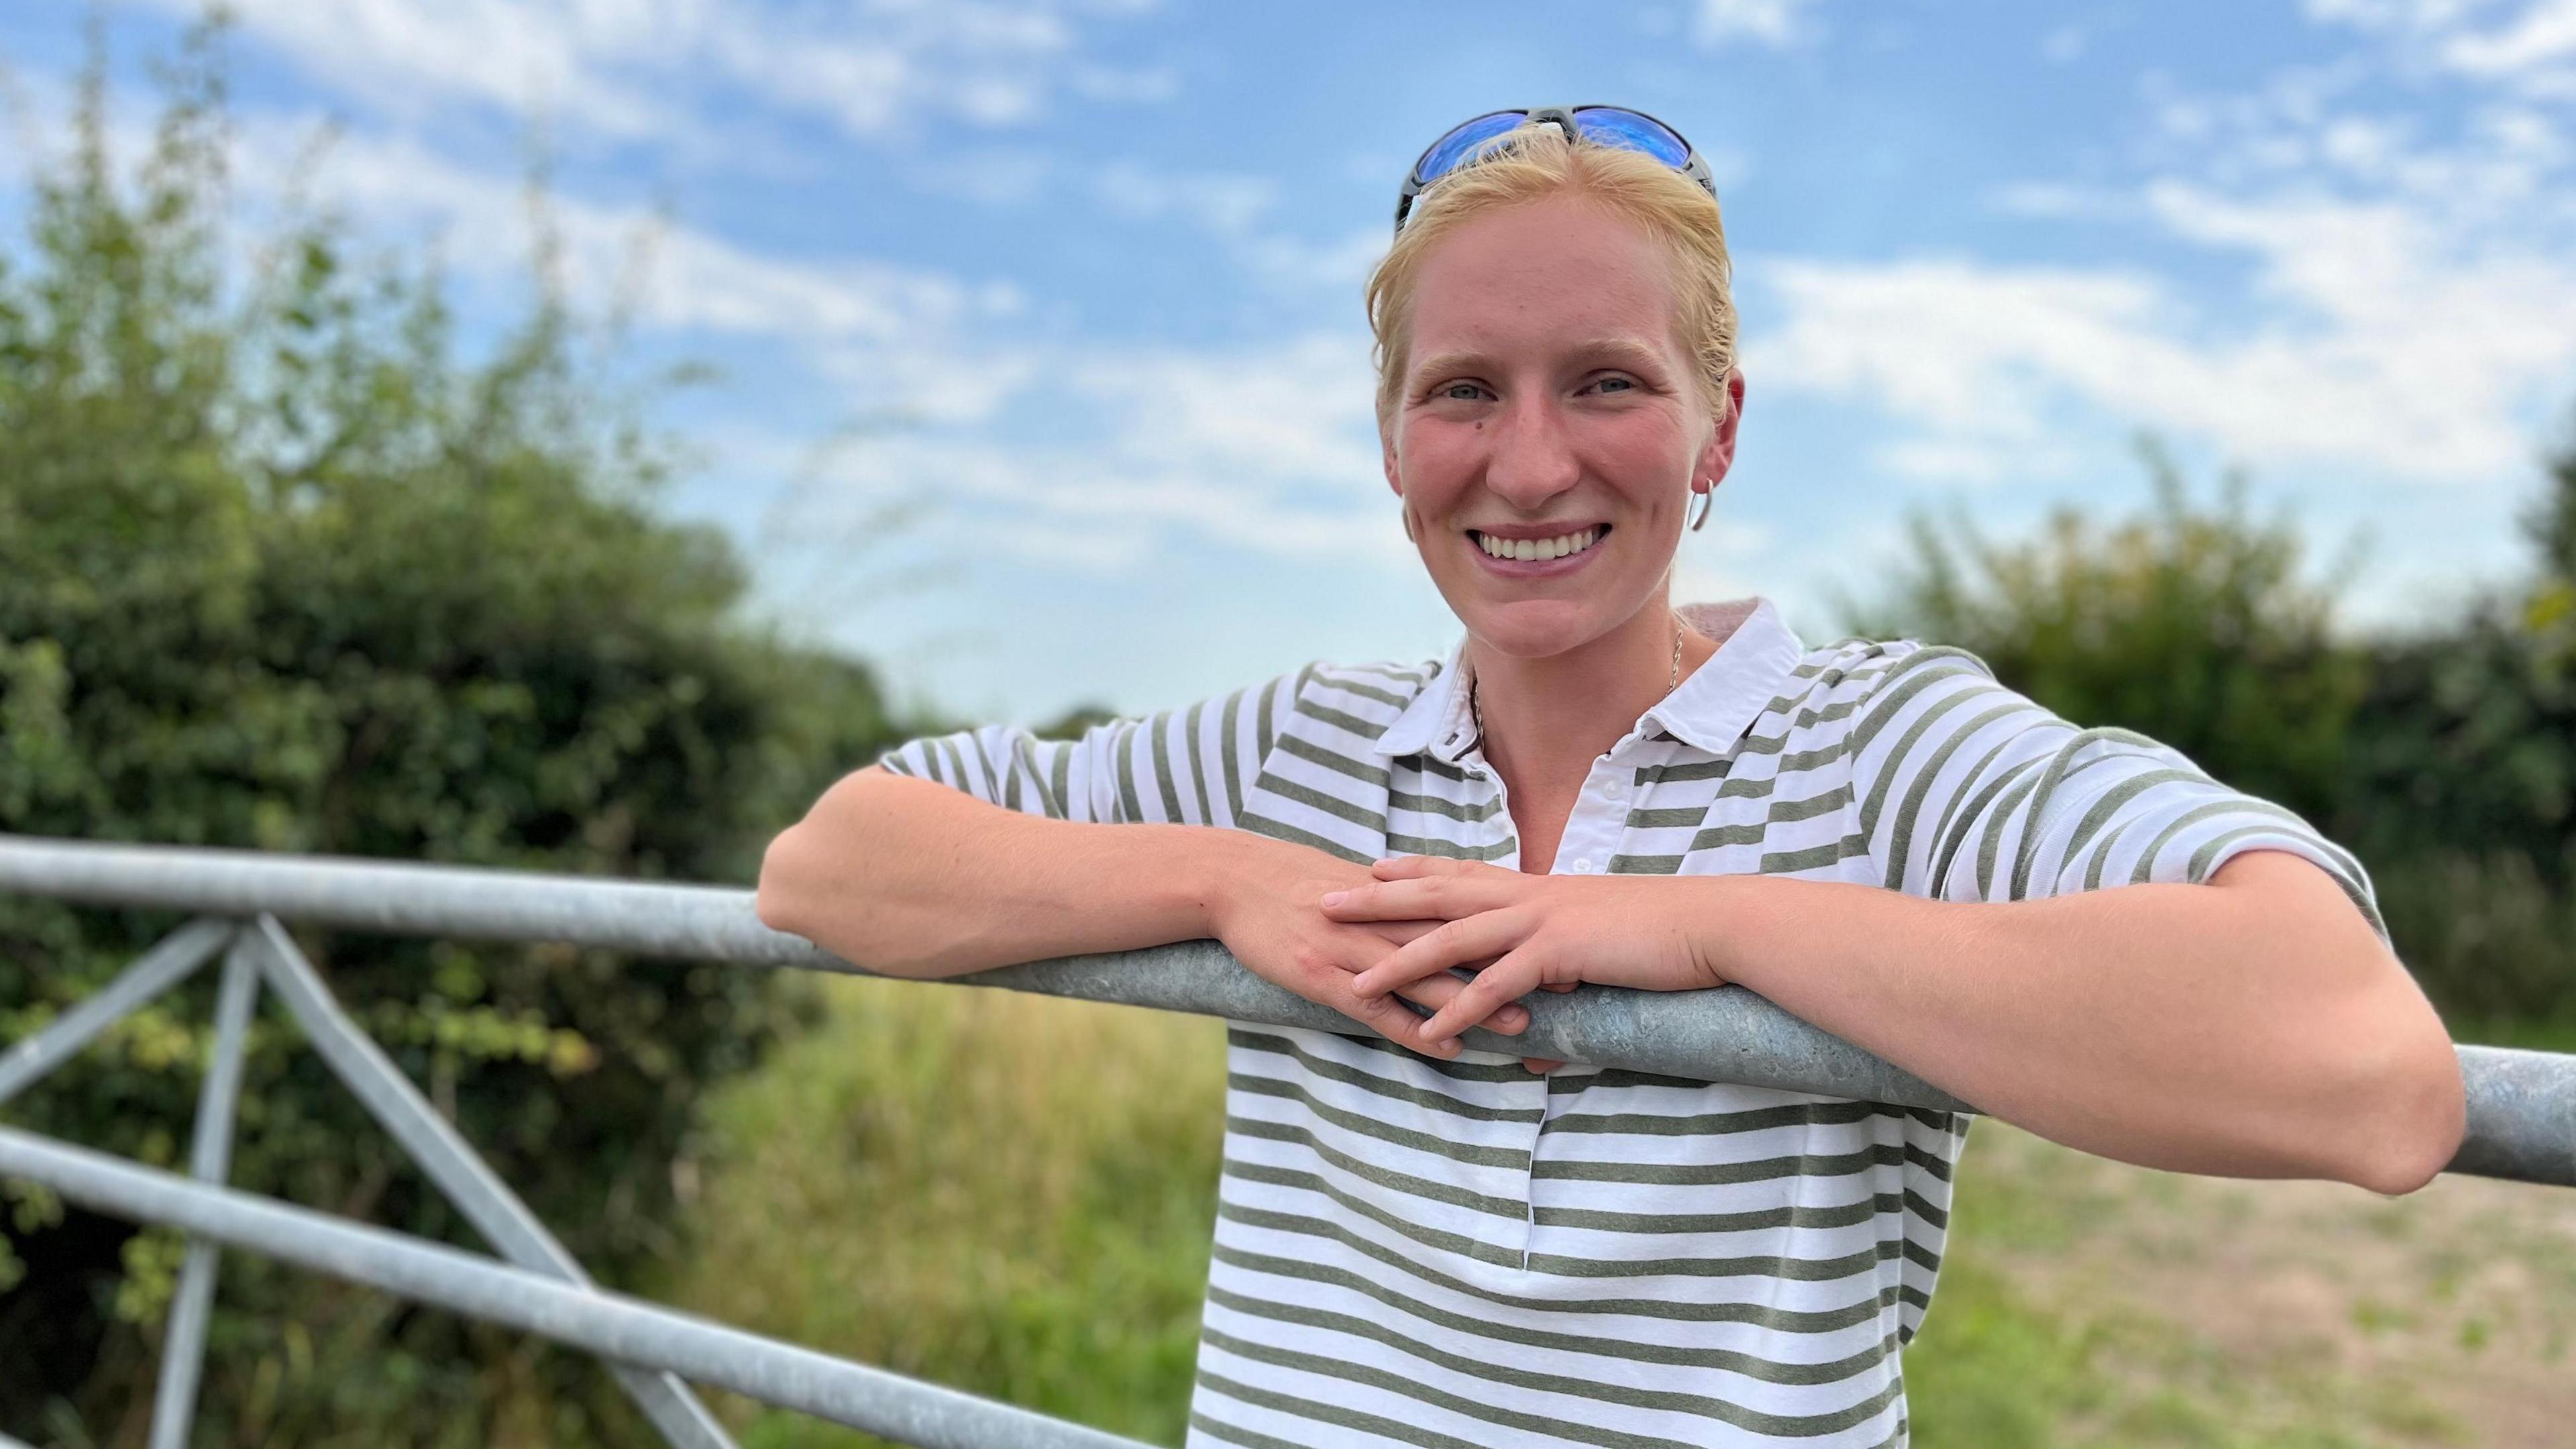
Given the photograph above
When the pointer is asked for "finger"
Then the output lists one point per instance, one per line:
(1560, 987)
(1434, 992)
(1458, 943)
(1418, 867)
(1397, 933)
(1436, 898)
(1517, 974)
(1385, 1016)
(1541, 1065)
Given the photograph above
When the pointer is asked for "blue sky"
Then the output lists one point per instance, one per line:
(1041, 370)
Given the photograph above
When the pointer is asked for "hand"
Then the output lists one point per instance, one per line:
(1536, 931)
(1265, 914)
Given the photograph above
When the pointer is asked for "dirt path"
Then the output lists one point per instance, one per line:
(2446, 1317)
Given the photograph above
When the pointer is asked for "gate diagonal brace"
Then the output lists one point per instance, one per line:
(453, 1166)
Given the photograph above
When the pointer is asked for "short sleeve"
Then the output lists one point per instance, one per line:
(1185, 767)
(1968, 791)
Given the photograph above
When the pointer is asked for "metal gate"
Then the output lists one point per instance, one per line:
(2522, 1106)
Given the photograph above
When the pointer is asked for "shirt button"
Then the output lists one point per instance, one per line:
(1583, 863)
(1616, 788)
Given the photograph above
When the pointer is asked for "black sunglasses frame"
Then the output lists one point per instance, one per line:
(1693, 164)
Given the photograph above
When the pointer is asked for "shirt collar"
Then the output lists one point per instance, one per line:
(1710, 710)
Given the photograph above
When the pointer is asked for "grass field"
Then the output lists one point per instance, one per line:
(1012, 1195)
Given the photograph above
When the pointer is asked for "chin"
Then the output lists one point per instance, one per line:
(1536, 628)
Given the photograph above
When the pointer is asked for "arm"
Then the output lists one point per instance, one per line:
(2254, 1026)
(912, 878)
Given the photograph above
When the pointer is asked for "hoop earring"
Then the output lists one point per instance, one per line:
(1707, 501)
(1406, 514)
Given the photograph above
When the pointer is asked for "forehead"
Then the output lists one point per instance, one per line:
(1547, 273)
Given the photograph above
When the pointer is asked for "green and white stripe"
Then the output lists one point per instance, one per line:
(1417, 1252)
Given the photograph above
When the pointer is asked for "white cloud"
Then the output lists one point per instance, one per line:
(1766, 22)
(1224, 203)
(2529, 46)
(1333, 264)
(2375, 351)
(2389, 289)
(1269, 448)
(2541, 38)
(637, 68)
(692, 279)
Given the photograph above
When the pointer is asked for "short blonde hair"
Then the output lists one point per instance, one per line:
(1532, 163)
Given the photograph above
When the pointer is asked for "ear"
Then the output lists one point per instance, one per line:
(1719, 455)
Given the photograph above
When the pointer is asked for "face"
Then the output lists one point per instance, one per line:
(1551, 428)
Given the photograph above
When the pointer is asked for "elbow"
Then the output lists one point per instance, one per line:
(2418, 1129)
(778, 899)
(790, 888)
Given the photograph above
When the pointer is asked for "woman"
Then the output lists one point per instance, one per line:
(1419, 1243)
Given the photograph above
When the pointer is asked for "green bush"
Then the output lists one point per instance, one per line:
(2445, 758)
(2463, 783)
(278, 570)
(2195, 624)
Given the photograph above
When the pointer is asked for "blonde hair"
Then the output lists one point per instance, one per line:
(1536, 161)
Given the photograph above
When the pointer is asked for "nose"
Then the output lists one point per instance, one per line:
(1531, 458)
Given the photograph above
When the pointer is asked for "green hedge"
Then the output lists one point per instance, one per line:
(2446, 757)
(277, 570)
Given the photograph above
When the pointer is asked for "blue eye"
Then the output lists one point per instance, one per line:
(1609, 382)
(1461, 391)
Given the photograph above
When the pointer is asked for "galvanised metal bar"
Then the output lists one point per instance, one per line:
(2522, 1106)
(608, 1324)
(2522, 1115)
(404, 899)
(183, 1339)
(169, 962)
(455, 1168)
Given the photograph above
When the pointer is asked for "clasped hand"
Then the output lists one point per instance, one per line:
(1459, 939)
(1518, 933)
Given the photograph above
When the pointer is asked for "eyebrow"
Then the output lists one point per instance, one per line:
(1624, 352)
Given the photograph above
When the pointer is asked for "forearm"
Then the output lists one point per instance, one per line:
(912, 878)
(2213, 1028)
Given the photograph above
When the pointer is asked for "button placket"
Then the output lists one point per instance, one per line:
(1531, 1094)
(1599, 820)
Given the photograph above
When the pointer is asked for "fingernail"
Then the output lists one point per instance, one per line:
(1449, 1046)
(1513, 1016)
(1335, 898)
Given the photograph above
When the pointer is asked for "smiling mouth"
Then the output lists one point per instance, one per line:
(1537, 549)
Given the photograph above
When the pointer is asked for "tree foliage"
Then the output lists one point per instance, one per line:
(2464, 769)
(280, 569)
(2446, 757)
(2196, 624)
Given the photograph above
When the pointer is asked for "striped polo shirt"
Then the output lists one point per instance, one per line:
(1461, 1253)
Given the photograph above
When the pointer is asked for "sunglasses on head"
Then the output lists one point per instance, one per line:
(1470, 140)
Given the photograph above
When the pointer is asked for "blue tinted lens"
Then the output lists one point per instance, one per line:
(1463, 142)
(1616, 126)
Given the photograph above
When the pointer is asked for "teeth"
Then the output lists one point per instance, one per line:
(1535, 549)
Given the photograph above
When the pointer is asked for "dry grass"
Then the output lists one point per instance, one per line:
(1000, 1192)
(2212, 1312)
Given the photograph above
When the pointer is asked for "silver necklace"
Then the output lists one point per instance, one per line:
(1476, 707)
